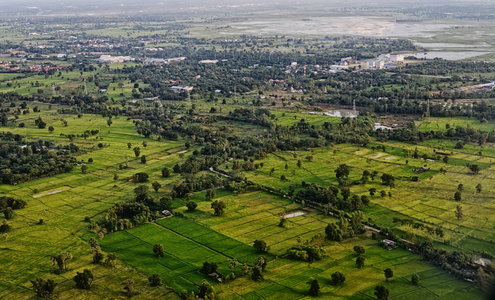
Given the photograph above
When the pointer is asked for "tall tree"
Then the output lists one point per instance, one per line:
(84, 279)
(458, 212)
(415, 279)
(260, 246)
(342, 171)
(382, 292)
(337, 278)
(360, 262)
(388, 273)
(158, 250)
(333, 232)
(218, 207)
(314, 288)
(43, 288)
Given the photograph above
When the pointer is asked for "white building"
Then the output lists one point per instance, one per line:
(375, 64)
(181, 88)
(396, 58)
(109, 59)
(208, 61)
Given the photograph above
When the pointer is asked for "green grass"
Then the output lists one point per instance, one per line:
(26, 253)
(429, 200)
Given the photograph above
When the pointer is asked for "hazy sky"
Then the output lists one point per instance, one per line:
(33, 7)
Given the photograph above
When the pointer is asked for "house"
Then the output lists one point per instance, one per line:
(167, 213)
(389, 244)
(181, 88)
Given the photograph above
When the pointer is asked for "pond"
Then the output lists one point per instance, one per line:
(380, 126)
(295, 214)
(339, 113)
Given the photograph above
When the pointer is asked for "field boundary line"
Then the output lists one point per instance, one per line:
(196, 242)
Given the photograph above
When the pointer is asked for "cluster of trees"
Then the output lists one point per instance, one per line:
(22, 161)
(418, 225)
(306, 252)
(339, 198)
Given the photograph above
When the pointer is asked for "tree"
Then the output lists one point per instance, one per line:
(115, 177)
(342, 171)
(109, 122)
(5, 227)
(8, 213)
(110, 258)
(260, 262)
(165, 172)
(257, 275)
(140, 177)
(357, 221)
(388, 273)
(360, 261)
(84, 169)
(415, 279)
(333, 232)
(205, 291)
(314, 288)
(337, 278)
(155, 280)
(84, 279)
(143, 159)
(191, 205)
(141, 192)
(458, 212)
(479, 188)
(388, 180)
(460, 187)
(158, 250)
(43, 288)
(129, 145)
(209, 268)
(40, 123)
(137, 151)
(457, 196)
(299, 163)
(129, 286)
(156, 186)
(381, 292)
(145, 144)
(98, 256)
(61, 261)
(51, 129)
(210, 194)
(218, 207)
(446, 159)
(260, 246)
(474, 168)
(359, 250)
